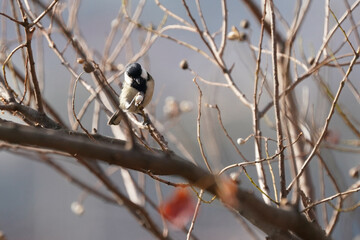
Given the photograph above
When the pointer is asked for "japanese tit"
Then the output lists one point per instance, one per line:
(137, 91)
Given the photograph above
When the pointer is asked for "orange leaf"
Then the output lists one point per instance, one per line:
(179, 209)
(227, 192)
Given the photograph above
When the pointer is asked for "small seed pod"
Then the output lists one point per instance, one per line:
(77, 208)
(115, 23)
(242, 36)
(233, 34)
(184, 64)
(311, 60)
(80, 60)
(354, 172)
(245, 24)
(240, 141)
(88, 67)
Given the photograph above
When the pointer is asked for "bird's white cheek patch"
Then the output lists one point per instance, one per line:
(144, 73)
(128, 79)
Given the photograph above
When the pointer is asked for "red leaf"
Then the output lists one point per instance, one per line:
(179, 209)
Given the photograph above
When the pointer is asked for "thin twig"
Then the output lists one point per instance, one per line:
(332, 31)
(322, 195)
(223, 27)
(12, 19)
(137, 211)
(44, 13)
(76, 181)
(159, 32)
(279, 133)
(335, 217)
(29, 31)
(43, 156)
(201, 34)
(172, 14)
(73, 109)
(26, 81)
(127, 33)
(226, 132)
(256, 120)
(216, 84)
(327, 121)
(196, 213)
(202, 19)
(183, 185)
(331, 198)
(8, 88)
(271, 170)
(262, 192)
(346, 37)
(243, 164)
(198, 127)
(353, 23)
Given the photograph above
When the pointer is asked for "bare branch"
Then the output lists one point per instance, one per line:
(269, 219)
(198, 133)
(327, 122)
(279, 133)
(223, 27)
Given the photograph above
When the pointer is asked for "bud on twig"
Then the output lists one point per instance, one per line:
(77, 208)
(184, 64)
(234, 34)
(245, 24)
(240, 141)
(88, 67)
(354, 172)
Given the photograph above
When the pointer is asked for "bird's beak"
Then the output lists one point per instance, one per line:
(137, 80)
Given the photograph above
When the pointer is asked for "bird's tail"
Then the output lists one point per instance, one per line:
(115, 118)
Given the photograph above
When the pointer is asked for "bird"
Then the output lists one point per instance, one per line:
(136, 93)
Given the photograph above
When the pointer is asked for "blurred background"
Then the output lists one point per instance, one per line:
(35, 201)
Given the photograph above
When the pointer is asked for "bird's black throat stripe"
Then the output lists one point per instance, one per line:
(139, 84)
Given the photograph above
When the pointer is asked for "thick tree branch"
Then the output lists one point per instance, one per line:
(274, 221)
(31, 115)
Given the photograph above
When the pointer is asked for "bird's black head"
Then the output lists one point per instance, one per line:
(134, 70)
(137, 77)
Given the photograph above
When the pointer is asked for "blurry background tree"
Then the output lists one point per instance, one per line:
(252, 105)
